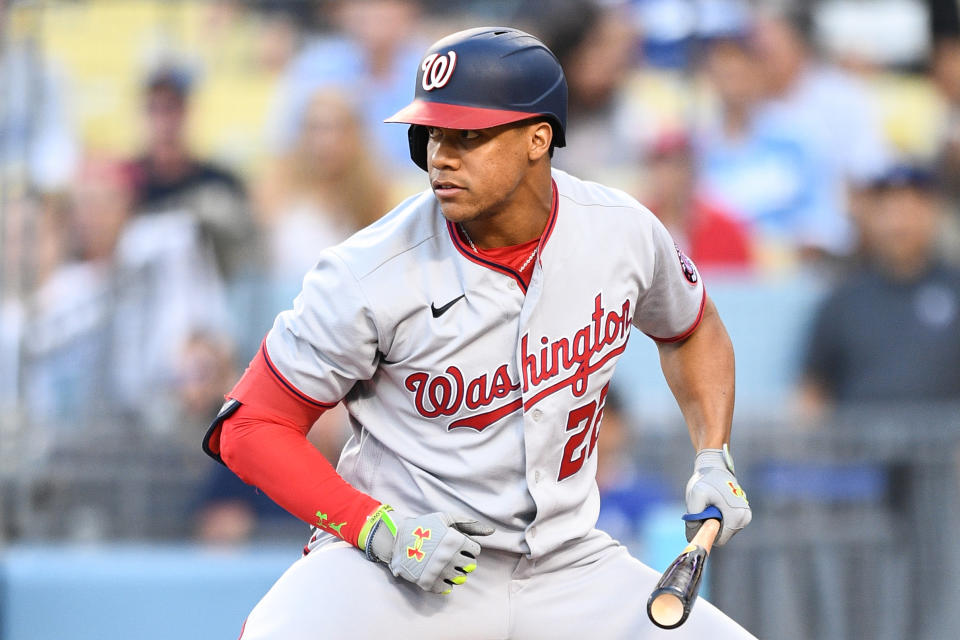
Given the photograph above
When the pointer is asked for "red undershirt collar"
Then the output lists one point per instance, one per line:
(508, 260)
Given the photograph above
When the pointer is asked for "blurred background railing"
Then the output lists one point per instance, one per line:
(169, 170)
(852, 529)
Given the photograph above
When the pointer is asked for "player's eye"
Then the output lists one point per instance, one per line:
(469, 134)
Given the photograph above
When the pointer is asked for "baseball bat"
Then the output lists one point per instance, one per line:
(671, 601)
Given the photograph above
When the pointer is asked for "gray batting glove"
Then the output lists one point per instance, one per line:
(432, 551)
(713, 483)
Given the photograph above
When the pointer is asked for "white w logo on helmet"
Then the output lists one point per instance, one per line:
(437, 70)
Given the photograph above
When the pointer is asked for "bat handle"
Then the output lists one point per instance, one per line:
(707, 534)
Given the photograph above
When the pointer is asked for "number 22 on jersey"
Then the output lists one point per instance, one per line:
(584, 423)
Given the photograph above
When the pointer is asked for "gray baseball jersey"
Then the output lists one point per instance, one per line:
(467, 391)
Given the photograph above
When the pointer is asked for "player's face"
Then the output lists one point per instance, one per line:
(475, 173)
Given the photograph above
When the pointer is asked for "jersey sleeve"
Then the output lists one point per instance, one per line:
(329, 339)
(309, 360)
(671, 306)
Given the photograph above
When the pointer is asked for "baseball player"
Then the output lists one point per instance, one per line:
(472, 333)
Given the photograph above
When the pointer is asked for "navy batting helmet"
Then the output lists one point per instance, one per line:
(482, 78)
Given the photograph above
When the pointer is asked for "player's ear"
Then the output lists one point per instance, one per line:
(540, 137)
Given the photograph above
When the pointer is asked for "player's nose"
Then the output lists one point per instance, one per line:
(443, 154)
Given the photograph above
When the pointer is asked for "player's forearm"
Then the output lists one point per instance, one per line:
(279, 460)
(700, 372)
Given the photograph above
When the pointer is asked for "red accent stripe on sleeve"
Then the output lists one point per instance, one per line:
(264, 387)
(288, 384)
(693, 327)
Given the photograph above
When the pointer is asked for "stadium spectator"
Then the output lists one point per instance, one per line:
(167, 287)
(885, 347)
(946, 75)
(596, 46)
(831, 112)
(827, 105)
(320, 192)
(117, 295)
(798, 207)
(38, 144)
(910, 299)
(67, 333)
(713, 238)
(205, 368)
(12, 294)
(367, 56)
(281, 29)
(169, 178)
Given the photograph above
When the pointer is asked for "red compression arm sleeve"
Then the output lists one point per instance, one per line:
(265, 443)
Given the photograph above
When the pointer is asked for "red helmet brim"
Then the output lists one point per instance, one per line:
(455, 116)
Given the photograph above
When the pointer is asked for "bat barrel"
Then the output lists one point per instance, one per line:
(666, 610)
(670, 603)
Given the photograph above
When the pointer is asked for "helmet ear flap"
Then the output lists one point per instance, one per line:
(417, 136)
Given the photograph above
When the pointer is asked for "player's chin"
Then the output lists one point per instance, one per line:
(458, 211)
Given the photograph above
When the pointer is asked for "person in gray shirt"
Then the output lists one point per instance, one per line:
(891, 332)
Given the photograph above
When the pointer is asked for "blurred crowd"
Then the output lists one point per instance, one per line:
(170, 170)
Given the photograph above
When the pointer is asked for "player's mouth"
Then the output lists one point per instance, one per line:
(446, 188)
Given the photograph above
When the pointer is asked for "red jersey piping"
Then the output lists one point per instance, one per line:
(289, 385)
(693, 327)
(502, 268)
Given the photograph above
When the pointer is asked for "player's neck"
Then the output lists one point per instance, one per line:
(522, 219)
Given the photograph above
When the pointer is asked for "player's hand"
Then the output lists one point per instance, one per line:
(713, 483)
(432, 551)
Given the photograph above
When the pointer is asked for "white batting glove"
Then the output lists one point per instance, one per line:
(713, 483)
(433, 551)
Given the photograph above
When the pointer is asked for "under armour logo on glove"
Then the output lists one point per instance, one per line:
(713, 484)
(416, 550)
(737, 491)
(433, 551)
